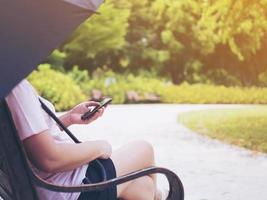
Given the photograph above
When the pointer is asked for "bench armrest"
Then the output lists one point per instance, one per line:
(176, 187)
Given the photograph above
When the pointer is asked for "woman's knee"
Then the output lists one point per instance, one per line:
(141, 189)
(146, 151)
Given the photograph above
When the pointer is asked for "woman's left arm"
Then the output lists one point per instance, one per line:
(74, 115)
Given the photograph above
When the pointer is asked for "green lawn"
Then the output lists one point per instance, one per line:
(243, 127)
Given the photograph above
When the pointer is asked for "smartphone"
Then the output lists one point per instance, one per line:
(90, 113)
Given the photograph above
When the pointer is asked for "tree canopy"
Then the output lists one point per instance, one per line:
(186, 40)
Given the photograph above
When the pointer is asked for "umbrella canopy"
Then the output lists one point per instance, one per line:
(31, 29)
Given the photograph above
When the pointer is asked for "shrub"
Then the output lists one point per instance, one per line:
(222, 77)
(203, 93)
(60, 89)
(56, 60)
(79, 76)
(262, 79)
(117, 85)
(67, 90)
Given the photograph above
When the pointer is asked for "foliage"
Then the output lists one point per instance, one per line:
(66, 90)
(244, 127)
(222, 77)
(263, 79)
(182, 40)
(117, 86)
(79, 76)
(244, 26)
(60, 89)
(57, 60)
(206, 94)
(242, 45)
(97, 35)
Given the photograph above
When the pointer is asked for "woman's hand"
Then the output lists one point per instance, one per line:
(75, 114)
(78, 111)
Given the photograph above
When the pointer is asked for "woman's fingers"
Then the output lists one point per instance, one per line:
(98, 114)
(91, 103)
(87, 106)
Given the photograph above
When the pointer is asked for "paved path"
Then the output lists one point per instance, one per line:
(209, 169)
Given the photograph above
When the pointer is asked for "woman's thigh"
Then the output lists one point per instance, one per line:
(131, 157)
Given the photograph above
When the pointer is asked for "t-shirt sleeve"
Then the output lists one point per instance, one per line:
(26, 110)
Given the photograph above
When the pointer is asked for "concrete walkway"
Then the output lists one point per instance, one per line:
(209, 169)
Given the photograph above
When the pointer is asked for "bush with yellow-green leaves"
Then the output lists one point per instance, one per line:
(117, 86)
(65, 90)
(212, 94)
(60, 89)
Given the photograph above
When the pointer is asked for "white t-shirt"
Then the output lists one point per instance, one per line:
(31, 119)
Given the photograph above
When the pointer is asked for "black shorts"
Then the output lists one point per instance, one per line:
(94, 177)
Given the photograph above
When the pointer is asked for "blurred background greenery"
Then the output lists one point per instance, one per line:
(175, 51)
(169, 51)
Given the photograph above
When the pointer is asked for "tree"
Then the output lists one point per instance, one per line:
(184, 40)
(99, 34)
(242, 45)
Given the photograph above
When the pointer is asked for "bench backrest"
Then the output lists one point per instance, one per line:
(15, 182)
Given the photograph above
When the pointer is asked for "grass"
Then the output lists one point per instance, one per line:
(246, 127)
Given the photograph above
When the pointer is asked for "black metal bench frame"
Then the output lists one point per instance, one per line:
(17, 179)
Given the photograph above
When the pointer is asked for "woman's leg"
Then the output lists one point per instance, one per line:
(135, 156)
(138, 189)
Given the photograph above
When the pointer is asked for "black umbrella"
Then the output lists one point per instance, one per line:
(31, 29)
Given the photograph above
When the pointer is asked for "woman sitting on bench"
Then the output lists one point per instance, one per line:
(60, 161)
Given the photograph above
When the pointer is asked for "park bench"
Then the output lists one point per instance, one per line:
(17, 179)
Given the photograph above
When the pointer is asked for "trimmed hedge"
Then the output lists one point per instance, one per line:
(66, 90)
(117, 86)
(211, 94)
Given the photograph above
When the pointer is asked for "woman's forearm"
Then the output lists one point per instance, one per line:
(70, 156)
(50, 156)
